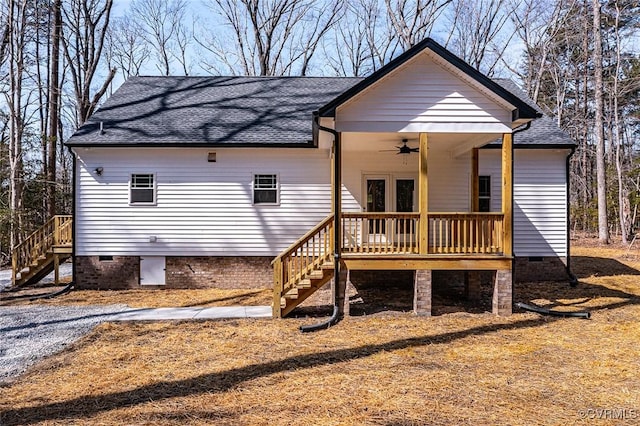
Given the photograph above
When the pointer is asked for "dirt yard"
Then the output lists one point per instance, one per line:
(383, 369)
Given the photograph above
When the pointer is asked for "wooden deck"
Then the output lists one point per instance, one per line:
(388, 241)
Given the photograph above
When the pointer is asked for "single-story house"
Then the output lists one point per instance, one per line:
(425, 165)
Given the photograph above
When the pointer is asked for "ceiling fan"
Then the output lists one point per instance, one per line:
(403, 149)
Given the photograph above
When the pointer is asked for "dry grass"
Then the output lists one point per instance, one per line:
(145, 298)
(469, 369)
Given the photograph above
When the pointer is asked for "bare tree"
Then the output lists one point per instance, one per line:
(83, 36)
(126, 50)
(603, 225)
(351, 40)
(413, 20)
(17, 20)
(479, 32)
(161, 24)
(537, 24)
(53, 107)
(270, 37)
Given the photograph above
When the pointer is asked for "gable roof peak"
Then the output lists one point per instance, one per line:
(522, 109)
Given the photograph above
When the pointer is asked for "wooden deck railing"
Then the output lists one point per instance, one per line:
(390, 233)
(397, 233)
(57, 231)
(466, 233)
(304, 256)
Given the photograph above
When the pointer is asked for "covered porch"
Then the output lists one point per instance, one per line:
(416, 238)
(406, 190)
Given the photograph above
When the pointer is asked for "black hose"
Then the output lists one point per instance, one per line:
(543, 311)
(65, 290)
(333, 319)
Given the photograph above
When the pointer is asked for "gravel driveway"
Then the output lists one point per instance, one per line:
(30, 333)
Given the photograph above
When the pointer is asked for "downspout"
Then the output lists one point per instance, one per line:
(74, 182)
(573, 280)
(337, 195)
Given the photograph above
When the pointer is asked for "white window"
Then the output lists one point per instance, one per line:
(142, 189)
(265, 189)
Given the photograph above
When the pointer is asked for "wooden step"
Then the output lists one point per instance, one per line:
(306, 283)
(327, 265)
(291, 294)
(316, 275)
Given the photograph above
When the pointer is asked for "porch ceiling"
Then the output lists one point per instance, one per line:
(455, 143)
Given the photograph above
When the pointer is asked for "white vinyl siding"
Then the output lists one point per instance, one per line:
(202, 208)
(206, 209)
(449, 185)
(423, 96)
(540, 199)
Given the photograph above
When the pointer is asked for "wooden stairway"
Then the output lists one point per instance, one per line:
(42, 251)
(303, 268)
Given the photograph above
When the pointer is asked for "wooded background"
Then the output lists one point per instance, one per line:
(578, 59)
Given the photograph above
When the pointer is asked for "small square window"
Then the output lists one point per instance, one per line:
(142, 189)
(265, 189)
(105, 258)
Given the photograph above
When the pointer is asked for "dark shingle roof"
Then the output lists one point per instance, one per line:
(238, 111)
(215, 111)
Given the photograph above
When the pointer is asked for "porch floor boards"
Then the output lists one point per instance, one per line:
(382, 261)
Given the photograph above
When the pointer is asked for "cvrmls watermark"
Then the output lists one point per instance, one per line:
(609, 414)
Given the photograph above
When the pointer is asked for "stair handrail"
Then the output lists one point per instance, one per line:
(286, 270)
(41, 241)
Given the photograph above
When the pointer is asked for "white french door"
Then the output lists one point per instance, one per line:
(388, 193)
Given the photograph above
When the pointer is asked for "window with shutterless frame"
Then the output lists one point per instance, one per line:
(142, 189)
(265, 189)
(484, 193)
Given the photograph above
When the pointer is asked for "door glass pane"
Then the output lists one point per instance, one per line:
(404, 195)
(404, 204)
(376, 195)
(376, 202)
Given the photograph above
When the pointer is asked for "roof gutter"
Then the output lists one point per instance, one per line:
(74, 239)
(335, 316)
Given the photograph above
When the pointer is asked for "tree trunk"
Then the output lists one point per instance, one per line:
(54, 107)
(17, 17)
(603, 226)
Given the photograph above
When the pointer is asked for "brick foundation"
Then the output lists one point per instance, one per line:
(422, 292)
(502, 292)
(530, 269)
(219, 272)
(123, 272)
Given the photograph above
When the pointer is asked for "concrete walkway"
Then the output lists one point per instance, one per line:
(167, 314)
